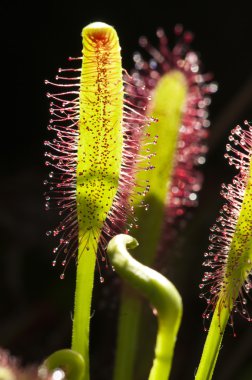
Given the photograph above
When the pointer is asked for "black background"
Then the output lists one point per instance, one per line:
(36, 39)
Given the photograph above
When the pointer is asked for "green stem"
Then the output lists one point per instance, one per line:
(161, 294)
(129, 320)
(82, 305)
(213, 343)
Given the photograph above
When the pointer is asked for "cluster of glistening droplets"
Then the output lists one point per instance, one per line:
(62, 157)
(215, 281)
(191, 146)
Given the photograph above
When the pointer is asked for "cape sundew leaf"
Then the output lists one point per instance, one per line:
(167, 102)
(229, 257)
(179, 100)
(98, 130)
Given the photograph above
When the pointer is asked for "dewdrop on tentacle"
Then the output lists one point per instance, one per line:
(180, 94)
(228, 260)
(96, 133)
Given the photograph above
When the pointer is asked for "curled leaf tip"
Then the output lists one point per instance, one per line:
(161, 294)
(122, 240)
(69, 362)
(99, 32)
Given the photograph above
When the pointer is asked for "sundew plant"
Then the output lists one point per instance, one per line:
(93, 156)
(124, 163)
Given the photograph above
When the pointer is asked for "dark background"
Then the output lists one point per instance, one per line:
(35, 306)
